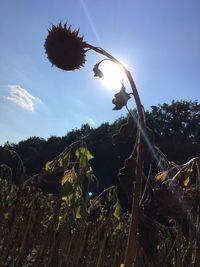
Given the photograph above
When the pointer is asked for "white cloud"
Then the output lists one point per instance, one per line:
(91, 122)
(21, 97)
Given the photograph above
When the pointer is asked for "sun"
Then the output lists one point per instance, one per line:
(113, 75)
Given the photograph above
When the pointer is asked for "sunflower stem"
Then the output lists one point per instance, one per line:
(133, 237)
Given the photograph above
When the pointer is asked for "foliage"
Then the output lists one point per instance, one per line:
(43, 230)
(175, 128)
(71, 230)
(48, 231)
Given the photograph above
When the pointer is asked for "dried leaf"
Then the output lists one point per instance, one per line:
(120, 226)
(83, 155)
(81, 211)
(97, 71)
(6, 215)
(70, 176)
(48, 166)
(120, 100)
(161, 176)
(64, 159)
(186, 176)
(117, 212)
(186, 181)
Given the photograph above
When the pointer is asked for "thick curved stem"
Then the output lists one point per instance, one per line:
(133, 242)
(130, 79)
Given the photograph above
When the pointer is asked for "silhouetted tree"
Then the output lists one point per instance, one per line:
(177, 129)
(175, 126)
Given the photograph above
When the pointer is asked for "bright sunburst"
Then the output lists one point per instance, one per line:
(113, 75)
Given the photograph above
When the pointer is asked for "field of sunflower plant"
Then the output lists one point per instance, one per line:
(77, 230)
(81, 227)
(70, 230)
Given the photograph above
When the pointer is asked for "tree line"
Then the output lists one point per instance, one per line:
(175, 129)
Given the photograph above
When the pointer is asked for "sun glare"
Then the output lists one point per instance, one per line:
(113, 75)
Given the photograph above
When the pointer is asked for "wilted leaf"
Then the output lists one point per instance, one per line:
(83, 155)
(121, 99)
(78, 192)
(186, 181)
(81, 211)
(64, 159)
(117, 212)
(61, 161)
(60, 219)
(161, 176)
(120, 226)
(69, 199)
(74, 197)
(186, 176)
(83, 151)
(6, 215)
(48, 166)
(97, 71)
(69, 176)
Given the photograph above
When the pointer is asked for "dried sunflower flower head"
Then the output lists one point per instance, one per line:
(64, 48)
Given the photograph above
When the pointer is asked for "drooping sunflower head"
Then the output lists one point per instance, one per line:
(64, 48)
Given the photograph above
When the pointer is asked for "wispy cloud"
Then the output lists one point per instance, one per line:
(21, 97)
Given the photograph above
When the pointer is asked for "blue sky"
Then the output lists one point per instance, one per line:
(158, 40)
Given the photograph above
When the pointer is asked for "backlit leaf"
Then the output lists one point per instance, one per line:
(81, 211)
(83, 155)
(117, 212)
(64, 159)
(48, 166)
(120, 226)
(161, 176)
(186, 181)
(6, 216)
(69, 176)
(186, 176)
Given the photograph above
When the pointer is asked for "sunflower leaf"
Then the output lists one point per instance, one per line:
(83, 155)
(97, 71)
(161, 176)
